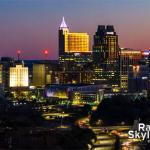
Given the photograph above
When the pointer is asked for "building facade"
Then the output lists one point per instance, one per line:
(105, 48)
(74, 55)
(18, 76)
(73, 47)
(106, 55)
(72, 42)
(128, 57)
(39, 75)
(138, 77)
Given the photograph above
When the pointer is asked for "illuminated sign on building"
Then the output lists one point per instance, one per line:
(110, 33)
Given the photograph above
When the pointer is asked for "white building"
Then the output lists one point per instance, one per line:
(18, 76)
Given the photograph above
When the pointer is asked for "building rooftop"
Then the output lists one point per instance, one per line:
(63, 23)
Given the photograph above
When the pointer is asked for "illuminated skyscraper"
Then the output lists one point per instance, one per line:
(18, 76)
(105, 48)
(106, 55)
(72, 42)
(63, 30)
(74, 53)
(128, 57)
(73, 46)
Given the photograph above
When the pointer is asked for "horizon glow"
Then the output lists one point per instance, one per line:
(32, 25)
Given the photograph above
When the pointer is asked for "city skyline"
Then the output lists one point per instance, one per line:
(32, 25)
(74, 74)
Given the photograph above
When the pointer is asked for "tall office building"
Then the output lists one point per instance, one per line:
(128, 57)
(18, 76)
(72, 42)
(72, 46)
(74, 54)
(106, 55)
(105, 48)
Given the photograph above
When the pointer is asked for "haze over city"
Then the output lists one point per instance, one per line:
(32, 25)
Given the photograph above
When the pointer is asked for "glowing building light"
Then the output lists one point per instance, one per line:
(136, 69)
(145, 53)
(45, 52)
(18, 51)
(72, 42)
(63, 24)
